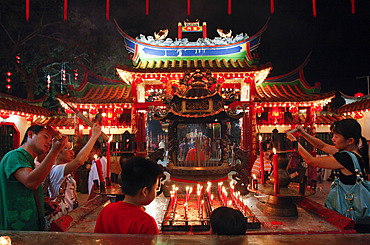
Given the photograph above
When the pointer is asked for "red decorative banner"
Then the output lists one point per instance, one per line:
(28, 10)
(229, 7)
(314, 8)
(107, 9)
(147, 7)
(188, 7)
(352, 6)
(65, 10)
(272, 6)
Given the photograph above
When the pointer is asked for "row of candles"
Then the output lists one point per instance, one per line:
(235, 198)
(275, 168)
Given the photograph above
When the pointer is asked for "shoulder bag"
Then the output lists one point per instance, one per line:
(352, 201)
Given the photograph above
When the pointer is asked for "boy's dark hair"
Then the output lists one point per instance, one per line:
(138, 173)
(34, 128)
(228, 221)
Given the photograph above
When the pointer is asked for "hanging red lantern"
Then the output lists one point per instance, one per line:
(293, 109)
(93, 111)
(69, 111)
(118, 110)
(4, 114)
(358, 115)
(317, 107)
(259, 110)
(359, 95)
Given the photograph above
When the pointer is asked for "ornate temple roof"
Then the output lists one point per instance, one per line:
(360, 104)
(18, 105)
(98, 90)
(218, 54)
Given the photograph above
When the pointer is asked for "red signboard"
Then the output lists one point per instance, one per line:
(192, 28)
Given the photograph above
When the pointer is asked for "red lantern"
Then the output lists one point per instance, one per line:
(358, 115)
(259, 110)
(118, 110)
(69, 111)
(293, 109)
(4, 114)
(359, 95)
(317, 107)
(93, 111)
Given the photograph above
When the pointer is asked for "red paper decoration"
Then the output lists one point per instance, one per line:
(28, 10)
(65, 10)
(107, 10)
(314, 8)
(146, 7)
(352, 6)
(188, 7)
(272, 6)
(229, 7)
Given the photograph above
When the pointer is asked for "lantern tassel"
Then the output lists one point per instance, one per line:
(229, 7)
(352, 6)
(314, 8)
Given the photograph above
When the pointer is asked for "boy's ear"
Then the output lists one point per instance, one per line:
(144, 191)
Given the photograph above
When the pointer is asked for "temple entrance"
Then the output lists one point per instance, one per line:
(9, 138)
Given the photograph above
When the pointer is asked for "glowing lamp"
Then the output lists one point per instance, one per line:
(259, 110)
(93, 111)
(358, 115)
(293, 109)
(359, 95)
(4, 115)
(118, 110)
(69, 110)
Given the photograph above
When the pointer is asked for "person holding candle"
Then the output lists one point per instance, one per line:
(94, 174)
(140, 181)
(21, 183)
(346, 137)
(61, 180)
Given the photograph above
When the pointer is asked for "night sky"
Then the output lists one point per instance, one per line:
(339, 41)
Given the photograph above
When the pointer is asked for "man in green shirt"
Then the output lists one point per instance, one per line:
(19, 178)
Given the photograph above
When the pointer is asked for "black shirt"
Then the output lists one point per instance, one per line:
(346, 161)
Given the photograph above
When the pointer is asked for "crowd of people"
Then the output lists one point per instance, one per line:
(41, 169)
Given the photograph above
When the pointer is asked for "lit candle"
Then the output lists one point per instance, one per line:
(219, 189)
(262, 163)
(209, 189)
(108, 156)
(276, 175)
(224, 195)
(187, 194)
(254, 182)
(245, 207)
(198, 196)
(186, 210)
(231, 189)
(240, 203)
(211, 199)
(172, 198)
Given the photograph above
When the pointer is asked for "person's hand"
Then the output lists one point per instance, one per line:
(290, 137)
(300, 130)
(96, 130)
(59, 145)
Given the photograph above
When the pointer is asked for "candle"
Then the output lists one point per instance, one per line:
(209, 189)
(108, 157)
(186, 210)
(201, 209)
(99, 168)
(187, 194)
(100, 173)
(211, 199)
(276, 175)
(245, 207)
(198, 196)
(219, 189)
(231, 189)
(262, 163)
(224, 195)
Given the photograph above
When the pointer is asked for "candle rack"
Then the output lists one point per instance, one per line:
(174, 218)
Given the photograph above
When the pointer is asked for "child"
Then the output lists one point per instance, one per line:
(228, 221)
(139, 181)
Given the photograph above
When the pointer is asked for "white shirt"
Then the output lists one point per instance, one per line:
(56, 179)
(161, 145)
(93, 175)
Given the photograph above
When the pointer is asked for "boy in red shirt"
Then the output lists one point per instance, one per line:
(140, 179)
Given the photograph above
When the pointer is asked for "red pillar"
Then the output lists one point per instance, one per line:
(204, 30)
(179, 30)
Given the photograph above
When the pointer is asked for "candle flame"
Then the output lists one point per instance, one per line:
(260, 138)
(187, 188)
(190, 190)
(274, 150)
(211, 196)
(185, 204)
(5, 240)
(96, 157)
(254, 176)
(219, 183)
(110, 138)
(230, 203)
